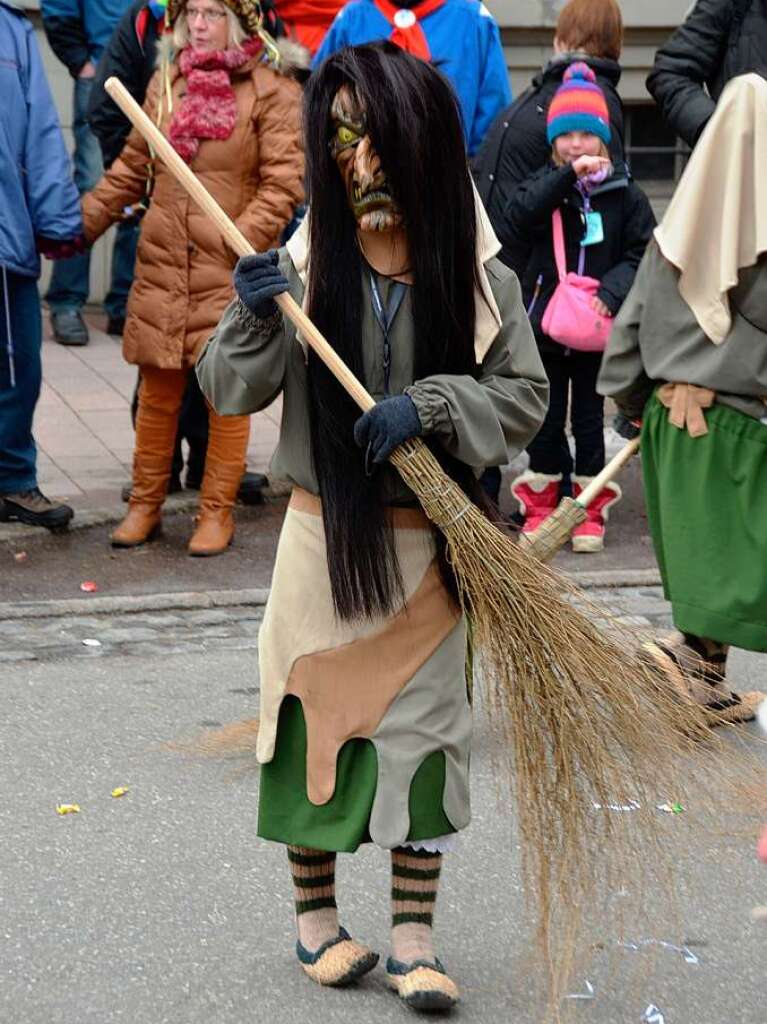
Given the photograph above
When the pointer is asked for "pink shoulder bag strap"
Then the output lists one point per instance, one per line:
(559, 246)
(559, 243)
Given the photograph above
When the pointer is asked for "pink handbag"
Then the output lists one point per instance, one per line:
(569, 318)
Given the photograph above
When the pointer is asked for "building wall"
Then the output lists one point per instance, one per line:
(527, 32)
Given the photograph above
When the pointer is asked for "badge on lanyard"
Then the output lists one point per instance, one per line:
(595, 232)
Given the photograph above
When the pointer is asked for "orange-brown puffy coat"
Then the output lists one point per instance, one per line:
(183, 279)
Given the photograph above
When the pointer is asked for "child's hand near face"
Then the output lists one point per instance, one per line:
(586, 165)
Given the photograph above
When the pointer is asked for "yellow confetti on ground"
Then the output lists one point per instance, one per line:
(120, 791)
(67, 809)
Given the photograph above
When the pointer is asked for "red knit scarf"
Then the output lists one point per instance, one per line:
(407, 32)
(208, 109)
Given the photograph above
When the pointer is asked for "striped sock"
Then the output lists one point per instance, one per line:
(314, 885)
(415, 882)
(713, 655)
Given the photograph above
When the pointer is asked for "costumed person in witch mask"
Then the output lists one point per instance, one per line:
(688, 357)
(365, 723)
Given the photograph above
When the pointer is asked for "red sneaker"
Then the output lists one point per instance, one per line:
(589, 536)
(538, 496)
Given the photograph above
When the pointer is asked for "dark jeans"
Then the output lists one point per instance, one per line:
(572, 378)
(20, 377)
(70, 280)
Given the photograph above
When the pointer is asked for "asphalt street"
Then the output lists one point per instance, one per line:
(163, 907)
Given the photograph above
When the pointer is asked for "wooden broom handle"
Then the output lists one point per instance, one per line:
(613, 467)
(235, 238)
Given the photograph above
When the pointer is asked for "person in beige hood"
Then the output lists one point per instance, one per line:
(235, 118)
(688, 357)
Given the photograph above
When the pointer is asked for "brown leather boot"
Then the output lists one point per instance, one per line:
(156, 422)
(224, 466)
(150, 483)
(142, 523)
(213, 533)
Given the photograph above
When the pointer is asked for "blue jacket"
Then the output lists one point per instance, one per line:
(78, 30)
(37, 194)
(465, 45)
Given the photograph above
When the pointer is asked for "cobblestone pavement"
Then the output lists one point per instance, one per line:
(186, 632)
(142, 634)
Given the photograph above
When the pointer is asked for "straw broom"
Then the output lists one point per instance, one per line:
(548, 538)
(580, 715)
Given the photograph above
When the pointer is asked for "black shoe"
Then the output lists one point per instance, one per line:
(116, 326)
(251, 488)
(33, 508)
(69, 328)
(174, 486)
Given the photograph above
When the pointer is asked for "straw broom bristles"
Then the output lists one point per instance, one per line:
(582, 717)
(554, 531)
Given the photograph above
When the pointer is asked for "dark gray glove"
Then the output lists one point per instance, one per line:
(257, 279)
(626, 427)
(386, 426)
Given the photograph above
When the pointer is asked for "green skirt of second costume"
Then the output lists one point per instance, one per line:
(707, 510)
(286, 814)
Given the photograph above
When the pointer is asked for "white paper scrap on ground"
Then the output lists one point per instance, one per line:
(588, 994)
(653, 1015)
(689, 956)
(632, 805)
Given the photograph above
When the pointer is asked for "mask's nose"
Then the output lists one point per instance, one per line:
(366, 164)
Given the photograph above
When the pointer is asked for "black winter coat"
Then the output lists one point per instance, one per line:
(628, 223)
(516, 144)
(719, 40)
(130, 55)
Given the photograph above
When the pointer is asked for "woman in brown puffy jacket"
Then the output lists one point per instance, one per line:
(234, 116)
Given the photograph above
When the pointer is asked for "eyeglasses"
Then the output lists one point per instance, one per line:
(208, 15)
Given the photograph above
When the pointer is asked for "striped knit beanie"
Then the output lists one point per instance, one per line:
(579, 105)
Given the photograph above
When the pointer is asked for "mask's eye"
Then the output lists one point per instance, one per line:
(346, 135)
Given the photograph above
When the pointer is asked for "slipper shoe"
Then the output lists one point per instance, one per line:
(422, 984)
(338, 962)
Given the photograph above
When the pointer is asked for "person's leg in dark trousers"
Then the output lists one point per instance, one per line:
(490, 482)
(549, 450)
(587, 420)
(193, 428)
(20, 379)
(123, 265)
(69, 285)
(587, 413)
(538, 489)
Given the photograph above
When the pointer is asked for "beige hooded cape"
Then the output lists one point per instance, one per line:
(716, 223)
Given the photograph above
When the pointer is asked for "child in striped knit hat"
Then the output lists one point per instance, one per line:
(607, 222)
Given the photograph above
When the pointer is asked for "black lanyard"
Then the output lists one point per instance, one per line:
(385, 318)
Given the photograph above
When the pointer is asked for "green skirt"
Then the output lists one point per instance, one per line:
(707, 510)
(286, 815)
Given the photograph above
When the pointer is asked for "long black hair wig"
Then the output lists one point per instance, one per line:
(414, 122)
